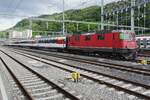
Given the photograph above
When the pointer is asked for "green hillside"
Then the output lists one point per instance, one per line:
(90, 14)
(3, 34)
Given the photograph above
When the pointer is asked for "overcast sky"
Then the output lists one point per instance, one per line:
(12, 11)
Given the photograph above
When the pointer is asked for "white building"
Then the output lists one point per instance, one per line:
(20, 34)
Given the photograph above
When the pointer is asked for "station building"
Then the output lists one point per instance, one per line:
(26, 34)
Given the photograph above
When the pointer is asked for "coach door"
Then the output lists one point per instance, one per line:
(114, 42)
(87, 41)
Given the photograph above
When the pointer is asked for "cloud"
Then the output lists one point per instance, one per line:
(8, 22)
(25, 8)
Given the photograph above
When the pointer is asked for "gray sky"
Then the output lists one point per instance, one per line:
(12, 11)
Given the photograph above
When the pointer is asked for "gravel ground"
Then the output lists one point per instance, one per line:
(103, 59)
(88, 89)
(132, 64)
(146, 58)
(125, 75)
(1, 96)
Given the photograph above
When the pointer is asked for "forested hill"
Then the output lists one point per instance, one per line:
(90, 14)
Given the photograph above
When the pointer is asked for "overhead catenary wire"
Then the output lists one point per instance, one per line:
(110, 16)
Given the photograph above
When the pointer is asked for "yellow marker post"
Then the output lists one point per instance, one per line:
(75, 76)
(144, 62)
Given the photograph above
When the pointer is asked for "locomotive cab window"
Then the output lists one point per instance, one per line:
(87, 38)
(100, 37)
(126, 36)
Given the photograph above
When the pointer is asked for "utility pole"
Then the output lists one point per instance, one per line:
(117, 22)
(88, 27)
(132, 14)
(63, 17)
(77, 27)
(102, 14)
(30, 23)
(47, 25)
(144, 16)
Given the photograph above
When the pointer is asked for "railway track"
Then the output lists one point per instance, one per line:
(33, 85)
(133, 88)
(144, 55)
(138, 60)
(127, 68)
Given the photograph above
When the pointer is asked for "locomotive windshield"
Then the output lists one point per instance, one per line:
(127, 36)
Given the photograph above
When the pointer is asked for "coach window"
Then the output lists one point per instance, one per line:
(88, 37)
(100, 37)
(53, 41)
(49, 41)
(45, 41)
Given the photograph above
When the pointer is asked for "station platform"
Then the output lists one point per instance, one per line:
(1, 88)
(1, 96)
(4, 88)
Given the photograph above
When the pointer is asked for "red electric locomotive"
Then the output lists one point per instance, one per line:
(119, 42)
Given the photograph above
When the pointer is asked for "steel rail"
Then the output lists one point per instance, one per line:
(67, 94)
(96, 80)
(101, 63)
(25, 92)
